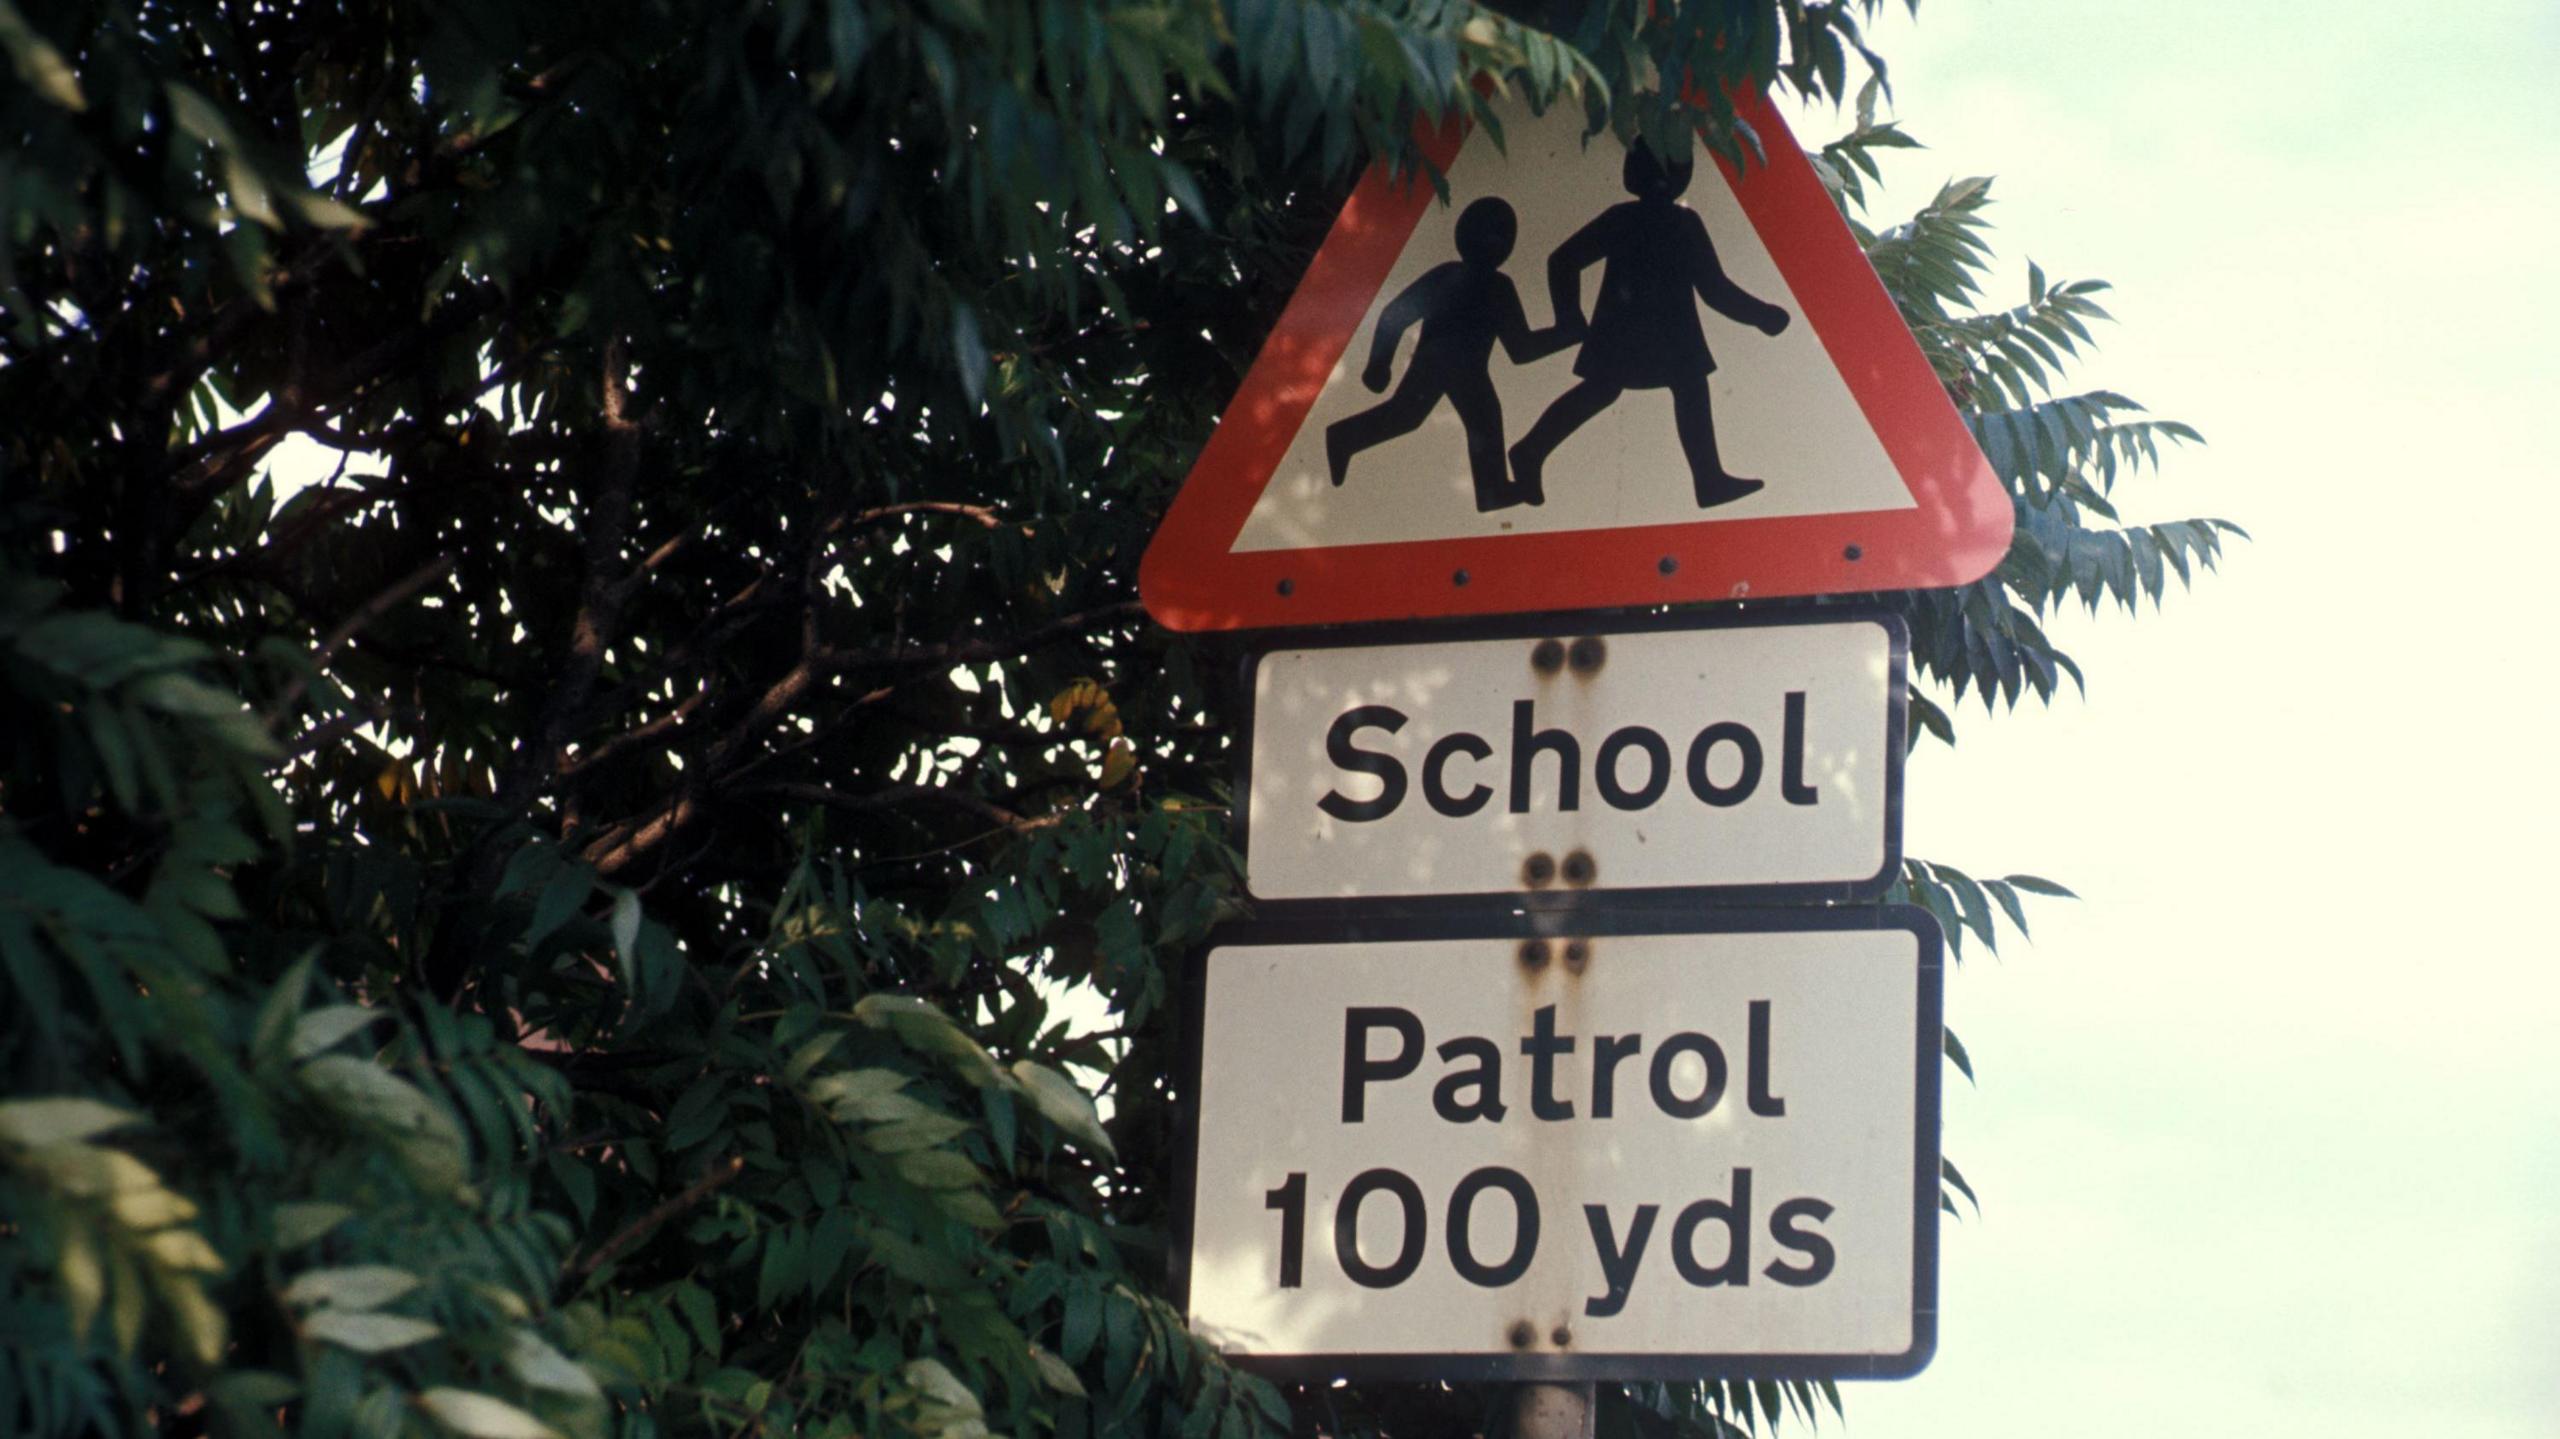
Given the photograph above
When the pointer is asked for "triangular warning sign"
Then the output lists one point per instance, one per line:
(1555, 391)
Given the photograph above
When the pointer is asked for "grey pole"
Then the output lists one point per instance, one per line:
(1552, 1411)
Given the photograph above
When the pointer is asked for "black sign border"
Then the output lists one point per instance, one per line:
(1596, 917)
(1568, 627)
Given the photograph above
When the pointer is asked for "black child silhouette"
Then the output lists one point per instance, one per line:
(1644, 334)
(1463, 307)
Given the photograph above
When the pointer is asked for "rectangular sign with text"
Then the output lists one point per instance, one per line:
(1758, 757)
(1604, 1145)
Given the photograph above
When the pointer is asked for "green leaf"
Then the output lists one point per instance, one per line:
(357, 1286)
(66, 1120)
(1056, 1372)
(543, 1367)
(809, 1055)
(877, 1010)
(1063, 1104)
(694, 1303)
(626, 932)
(924, 1131)
(1955, 1055)
(301, 1223)
(1947, 1170)
(931, 1378)
(321, 1028)
(367, 1331)
(561, 898)
(2033, 885)
(857, 1093)
(428, 1139)
(936, 1169)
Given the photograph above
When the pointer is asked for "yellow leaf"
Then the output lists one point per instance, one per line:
(84, 1283)
(182, 1249)
(1118, 763)
(199, 1323)
(125, 1311)
(151, 1208)
(328, 214)
(39, 64)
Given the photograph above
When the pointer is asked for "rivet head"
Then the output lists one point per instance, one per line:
(1459, 578)
(1533, 954)
(1547, 656)
(1577, 955)
(1588, 654)
(1562, 1338)
(1538, 869)
(1667, 565)
(1288, 588)
(1579, 870)
(1523, 1334)
(1854, 553)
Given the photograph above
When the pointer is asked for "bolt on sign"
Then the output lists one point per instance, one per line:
(1594, 378)
(1567, 1147)
(1756, 757)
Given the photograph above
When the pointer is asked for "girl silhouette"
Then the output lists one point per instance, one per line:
(1644, 334)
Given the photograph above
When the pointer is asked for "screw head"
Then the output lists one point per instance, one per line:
(1547, 656)
(1579, 869)
(1523, 1334)
(1533, 954)
(1538, 869)
(1577, 955)
(1588, 654)
(1667, 565)
(1459, 578)
(1854, 553)
(1288, 588)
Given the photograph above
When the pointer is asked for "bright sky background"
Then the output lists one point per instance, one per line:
(2268, 1128)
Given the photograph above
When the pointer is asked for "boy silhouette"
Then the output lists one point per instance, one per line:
(1644, 334)
(1463, 306)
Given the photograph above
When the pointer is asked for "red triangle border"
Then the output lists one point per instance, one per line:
(1959, 528)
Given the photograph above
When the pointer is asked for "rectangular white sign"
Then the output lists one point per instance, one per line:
(1633, 1148)
(1763, 757)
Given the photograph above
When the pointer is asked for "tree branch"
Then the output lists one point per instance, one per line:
(364, 614)
(691, 1195)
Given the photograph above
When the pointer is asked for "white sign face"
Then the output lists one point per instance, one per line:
(1778, 408)
(1625, 1155)
(1761, 756)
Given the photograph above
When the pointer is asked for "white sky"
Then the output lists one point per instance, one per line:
(2268, 1130)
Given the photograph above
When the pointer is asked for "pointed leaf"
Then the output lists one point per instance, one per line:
(366, 1331)
(480, 1417)
(1063, 1104)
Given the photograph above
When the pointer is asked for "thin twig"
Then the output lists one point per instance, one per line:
(691, 1195)
(365, 614)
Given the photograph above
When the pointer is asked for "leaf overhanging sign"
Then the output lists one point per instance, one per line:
(1589, 380)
